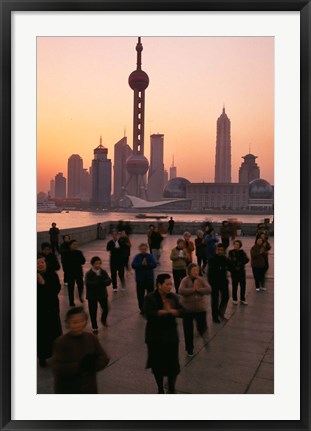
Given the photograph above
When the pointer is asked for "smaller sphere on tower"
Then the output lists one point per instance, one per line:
(137, 165)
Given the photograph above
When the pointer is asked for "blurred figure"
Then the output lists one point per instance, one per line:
(189, 245)
(149, 233)
(180, 259)
(50, 258)
(259, 259)
(218, 265)
(48, 322)
(200, 250)
(125, 245)
(161, 309)
(54, 232)
(74, 260)
(77, 357)
(238, 259)
(171, 224)
(116, 261)
(96, 282)
(225, 232)
(210, 240)
(143, 264)
(155, 244)
(192, 290)
(64, 249)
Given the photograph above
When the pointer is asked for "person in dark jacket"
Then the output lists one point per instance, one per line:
(116, 261)
(125, 245)
(225, 233)
(50, 258)
(64, 249)
(171, 224)
(218, 265)
(259, 260)
(210, 240)
(238, 259)
(161, 309)
(74, 260)
(155, 244)
(96, 282)
(143, 264)
(54, 232)
(48, 321)
(200, 250)
(77, 357)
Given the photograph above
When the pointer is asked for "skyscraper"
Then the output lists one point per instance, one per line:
(101, 178)
(74, 176)
(173, 170)
(137, 164)
(223, 149)
(86, 185)
(249, 169)
(122, 152)
(52, 189)
(60, 186)
(156, 169)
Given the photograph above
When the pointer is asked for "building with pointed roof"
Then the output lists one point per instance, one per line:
(223, 149)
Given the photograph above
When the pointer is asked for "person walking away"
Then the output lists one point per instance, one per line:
(171, 224)
(225, 233)
(64, 249)
(199, 244)
(77, 357)
(218, 265)
(50, 258)
(161, 308)
(143, 264)
(116, 261)
(125, 245)
(193, 290)
(180, 259)
(48, 321)
(189, 245)
(54, 232)
(238, 259)
(96, 282)
(259, 260)
(74, 260)
(155, 244)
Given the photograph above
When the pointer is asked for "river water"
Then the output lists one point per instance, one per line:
(65, 220)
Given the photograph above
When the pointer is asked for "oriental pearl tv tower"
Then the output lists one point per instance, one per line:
(137, 164)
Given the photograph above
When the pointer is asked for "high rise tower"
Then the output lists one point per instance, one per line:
(137, 164)
(60, 186)
(122, 151)
(156, 170)
(101, 178)
(75, 168)
(173, 170)
(223, 150)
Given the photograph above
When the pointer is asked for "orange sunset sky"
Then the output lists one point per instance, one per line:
(83, 92)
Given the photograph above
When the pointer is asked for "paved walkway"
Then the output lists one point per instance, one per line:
(237, 357)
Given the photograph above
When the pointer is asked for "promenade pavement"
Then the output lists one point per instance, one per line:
(236, 358)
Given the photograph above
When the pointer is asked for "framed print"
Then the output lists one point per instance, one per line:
(60, 42)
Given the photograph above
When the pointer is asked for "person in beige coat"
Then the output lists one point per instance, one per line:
(180, 259)
(193, 290)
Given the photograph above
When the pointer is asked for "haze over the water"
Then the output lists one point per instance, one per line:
(83, 93)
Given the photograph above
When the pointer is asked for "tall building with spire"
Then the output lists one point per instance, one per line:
(122, 151)
(74, 176)
(101, 178)
(173, 170)
(156, 169)
(137, 164)
(223, 149)
(249, 169)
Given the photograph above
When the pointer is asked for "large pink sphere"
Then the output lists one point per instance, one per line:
(137, 165)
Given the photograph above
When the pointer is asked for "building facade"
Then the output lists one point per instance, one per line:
(60, 186)
(101, 178)
(223, 149)
(74, 176)
(156, 169)
(249, 169)
(122, 151)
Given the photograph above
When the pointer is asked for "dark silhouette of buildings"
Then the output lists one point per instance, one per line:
(156, 169)
(75, 168)
(122, 151)
(249, 169)
(60, 186)
(101, 178)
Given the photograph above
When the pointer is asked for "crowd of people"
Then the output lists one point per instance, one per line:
(78, 355)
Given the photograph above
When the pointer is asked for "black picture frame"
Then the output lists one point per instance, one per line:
(6, 8)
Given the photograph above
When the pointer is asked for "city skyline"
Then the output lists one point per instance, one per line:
(183, 109)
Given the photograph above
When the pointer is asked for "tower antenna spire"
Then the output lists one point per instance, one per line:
(139, 48)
